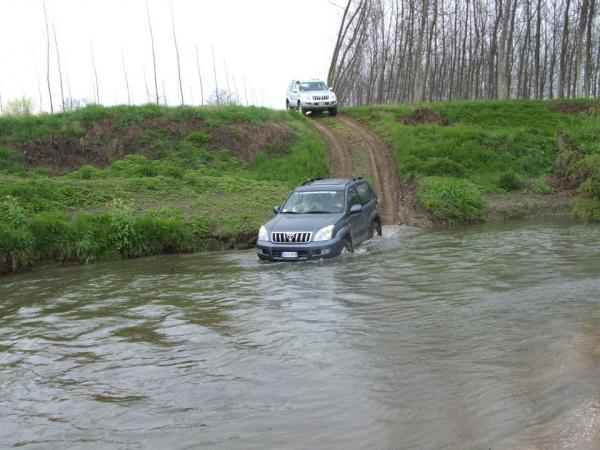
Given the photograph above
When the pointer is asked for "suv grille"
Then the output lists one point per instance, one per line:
(324, 97)
(292, 237)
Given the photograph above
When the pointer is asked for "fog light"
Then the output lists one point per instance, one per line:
(325, 251)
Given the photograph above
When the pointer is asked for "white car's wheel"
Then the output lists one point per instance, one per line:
(300, 109)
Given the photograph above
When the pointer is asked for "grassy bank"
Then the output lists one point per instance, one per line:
(461, 152)
(105, 183)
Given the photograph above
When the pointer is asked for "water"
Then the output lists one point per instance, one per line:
(483, 337)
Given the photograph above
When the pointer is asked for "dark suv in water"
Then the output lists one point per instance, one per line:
(319, 219)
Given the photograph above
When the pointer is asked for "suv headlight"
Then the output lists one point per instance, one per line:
(324, 234)
(262, 234)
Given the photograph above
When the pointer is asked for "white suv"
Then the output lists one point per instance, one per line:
(311, 96)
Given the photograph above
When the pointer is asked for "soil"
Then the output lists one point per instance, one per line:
(340, 161)
(245, 140)
(103, 143)
(515, 206)
(396, 197)
(574, 108)
(424, 116)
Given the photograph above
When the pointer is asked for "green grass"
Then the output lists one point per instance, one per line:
(495, 145)
(187, 196)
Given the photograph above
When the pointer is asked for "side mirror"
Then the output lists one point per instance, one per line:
(276, 209)
(330, 88)
(355, 209)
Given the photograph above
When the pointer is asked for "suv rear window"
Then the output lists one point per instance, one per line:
(365, 192)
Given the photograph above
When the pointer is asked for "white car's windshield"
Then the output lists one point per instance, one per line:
(313, 86)
(314, 202)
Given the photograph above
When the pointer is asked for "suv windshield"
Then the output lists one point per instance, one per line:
(314, 202)
(313, 86)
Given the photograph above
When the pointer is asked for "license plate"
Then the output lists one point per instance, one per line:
(289, 254)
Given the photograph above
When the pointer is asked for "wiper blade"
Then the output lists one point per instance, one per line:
(318, 212)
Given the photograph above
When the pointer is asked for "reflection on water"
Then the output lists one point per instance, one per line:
(483, 337)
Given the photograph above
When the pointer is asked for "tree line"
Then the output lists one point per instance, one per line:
(56, 78)
(391, 51)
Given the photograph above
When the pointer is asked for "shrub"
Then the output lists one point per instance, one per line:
(539, 187)
(11, 212)
(51, 233)
(586, 209)
(86, 172)
(122, 225)
(451, 200)
(443, 167)
(510, 181)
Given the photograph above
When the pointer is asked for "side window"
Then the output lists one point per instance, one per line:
(296, 87)
(365, 193)
(353, 198)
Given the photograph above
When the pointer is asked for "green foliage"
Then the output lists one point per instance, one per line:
(510, 181)
(122, 224)
(451, 200)
(11, 212)
(539, 187)
(487, 138)
(443, 167)
(586, 209)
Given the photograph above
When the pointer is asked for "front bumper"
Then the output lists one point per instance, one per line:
(272, 251)
(321, 105)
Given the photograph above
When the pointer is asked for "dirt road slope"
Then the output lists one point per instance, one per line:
(396, 197)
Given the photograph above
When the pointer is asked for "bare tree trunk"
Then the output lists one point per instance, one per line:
(587, 75)
(48, 59)
(126, 79)
(579, 63)
(563, 52)
(146, 84)
(95, 74)
(245, 92)
(153, 52)
(177, 53)
(538, 26)
(199, 77)
(215, 71)
(62, 92)
(39, 85)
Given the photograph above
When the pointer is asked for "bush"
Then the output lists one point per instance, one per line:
(510, 181)
(122, 225)
(443, 167)
(586, 209)
(451, 200)
(539, 187)
(11, 212)
(51, 233)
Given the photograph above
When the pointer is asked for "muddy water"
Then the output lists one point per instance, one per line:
(486, 337)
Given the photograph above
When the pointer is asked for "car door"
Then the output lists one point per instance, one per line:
(294, 93)
(368, 200)
(358, 223)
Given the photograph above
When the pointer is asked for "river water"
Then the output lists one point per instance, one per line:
(480, 337)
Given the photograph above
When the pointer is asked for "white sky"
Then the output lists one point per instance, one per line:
(267, 42)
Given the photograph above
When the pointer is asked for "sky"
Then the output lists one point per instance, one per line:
(265, 43)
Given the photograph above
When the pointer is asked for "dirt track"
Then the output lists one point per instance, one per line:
(395, 197)
(340, 162)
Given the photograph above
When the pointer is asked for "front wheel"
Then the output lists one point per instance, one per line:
(374, 228)
(287, 104)
(348, 247)
(300, 109)
(333, 111)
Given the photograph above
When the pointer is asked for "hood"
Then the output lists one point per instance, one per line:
(323, 93)
(301, 222)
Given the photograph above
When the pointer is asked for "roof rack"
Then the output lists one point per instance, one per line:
(356, 179)
(304, 183)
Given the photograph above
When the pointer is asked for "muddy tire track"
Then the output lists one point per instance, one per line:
(387, 182)
(340, 161)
